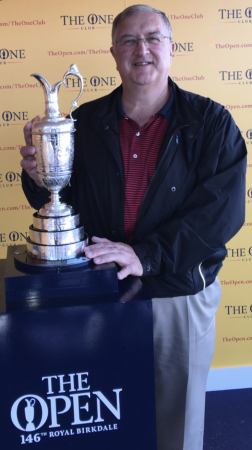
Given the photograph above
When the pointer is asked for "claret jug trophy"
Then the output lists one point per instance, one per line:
(56, 234)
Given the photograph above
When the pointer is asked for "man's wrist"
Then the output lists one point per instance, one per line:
(31, 184)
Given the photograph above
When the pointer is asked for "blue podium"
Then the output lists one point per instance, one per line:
(81, 375)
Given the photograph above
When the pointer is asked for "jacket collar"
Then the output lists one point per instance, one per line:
(184, 112)
(104, 122)
(185, 117)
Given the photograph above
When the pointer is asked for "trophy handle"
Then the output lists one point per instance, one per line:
(74, 71)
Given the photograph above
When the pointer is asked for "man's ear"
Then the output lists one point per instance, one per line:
(113, 54)
(172, 48)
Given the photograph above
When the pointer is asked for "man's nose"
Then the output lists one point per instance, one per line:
(142, 46)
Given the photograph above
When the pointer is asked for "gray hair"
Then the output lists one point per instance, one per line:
(135, 9)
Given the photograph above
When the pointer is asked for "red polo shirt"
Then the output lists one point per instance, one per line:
(140, 148)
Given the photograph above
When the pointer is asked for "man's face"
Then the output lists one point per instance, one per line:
(143, 64)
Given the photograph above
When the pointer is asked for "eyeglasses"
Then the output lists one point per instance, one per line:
(149, 41)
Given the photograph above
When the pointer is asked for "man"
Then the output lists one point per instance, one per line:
(159, 181)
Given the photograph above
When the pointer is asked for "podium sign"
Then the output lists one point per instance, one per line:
(78, 377)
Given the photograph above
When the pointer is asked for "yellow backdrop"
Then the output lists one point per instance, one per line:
(212, 58)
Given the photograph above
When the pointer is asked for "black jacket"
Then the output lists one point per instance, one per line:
(195, 202)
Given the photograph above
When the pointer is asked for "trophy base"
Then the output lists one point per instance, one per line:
(28, 280)
(62, 210)
(56, 223)
(56, 238)
(60, 252)
(25, 263)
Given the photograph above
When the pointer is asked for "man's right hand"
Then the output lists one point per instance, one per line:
(29, 163)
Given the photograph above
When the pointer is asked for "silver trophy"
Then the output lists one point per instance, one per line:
(56, 233)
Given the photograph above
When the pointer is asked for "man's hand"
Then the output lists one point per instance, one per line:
(29, 162)
(104, 251)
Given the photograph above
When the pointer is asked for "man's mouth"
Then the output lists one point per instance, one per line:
(142, 63)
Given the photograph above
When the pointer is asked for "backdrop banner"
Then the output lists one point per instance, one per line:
(212, 58)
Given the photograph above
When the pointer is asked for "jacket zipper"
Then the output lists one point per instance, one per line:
(177, 143)
(176, 137)
(160, 165)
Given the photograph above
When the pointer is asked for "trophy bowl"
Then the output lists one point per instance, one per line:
(55, 152)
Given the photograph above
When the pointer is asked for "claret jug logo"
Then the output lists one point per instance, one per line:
(248, 137)
(240, 16)
(68, 407)
(87, 22)
(249, 196)
(249, 193)
(27, 418)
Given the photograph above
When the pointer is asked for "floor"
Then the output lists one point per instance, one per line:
(228, 420)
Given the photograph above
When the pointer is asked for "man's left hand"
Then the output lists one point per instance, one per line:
(105, 251)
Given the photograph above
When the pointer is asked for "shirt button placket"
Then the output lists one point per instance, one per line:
(135, 155)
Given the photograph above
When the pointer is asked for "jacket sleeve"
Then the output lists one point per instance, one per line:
(211, 215)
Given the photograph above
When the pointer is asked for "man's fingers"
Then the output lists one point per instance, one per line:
(97, 239)
(124, 272)
(27, 152)
(96, 250)
(104, 251)
(28, 129)
(106, 256)
(27, 133)
(28, 164)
